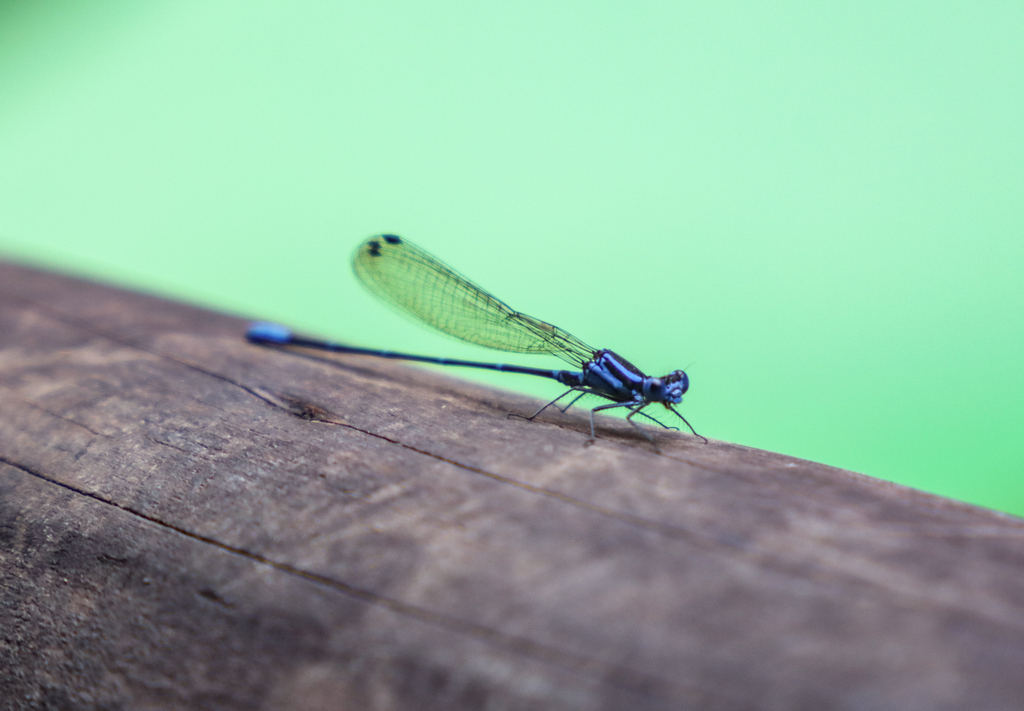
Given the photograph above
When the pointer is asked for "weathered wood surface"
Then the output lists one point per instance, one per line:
(189, 521)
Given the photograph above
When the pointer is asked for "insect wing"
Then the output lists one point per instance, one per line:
(420, 285)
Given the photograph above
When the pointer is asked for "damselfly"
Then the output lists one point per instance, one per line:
(422, 286)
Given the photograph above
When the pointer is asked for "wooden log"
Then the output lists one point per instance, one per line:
(191, 521)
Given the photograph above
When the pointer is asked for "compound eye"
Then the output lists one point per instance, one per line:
(684, 382)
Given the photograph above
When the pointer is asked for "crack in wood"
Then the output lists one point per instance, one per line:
(629, 679)
(62, 417)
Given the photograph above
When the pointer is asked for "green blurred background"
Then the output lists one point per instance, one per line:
(816, 208)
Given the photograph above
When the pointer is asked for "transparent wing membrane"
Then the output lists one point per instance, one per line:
(422, 286)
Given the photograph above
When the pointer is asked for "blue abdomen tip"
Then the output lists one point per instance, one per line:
(266, 332)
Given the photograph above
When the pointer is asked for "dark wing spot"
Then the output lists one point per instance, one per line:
(392, 239)
(374, 248)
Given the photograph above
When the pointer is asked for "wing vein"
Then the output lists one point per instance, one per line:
(416, 283)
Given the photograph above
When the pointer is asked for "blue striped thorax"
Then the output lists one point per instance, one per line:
(614, 377)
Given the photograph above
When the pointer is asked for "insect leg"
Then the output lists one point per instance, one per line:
(607, 407)
(687, 423)
(534, 415)
(573, 401)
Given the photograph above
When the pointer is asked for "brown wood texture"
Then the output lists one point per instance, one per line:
(188, 521)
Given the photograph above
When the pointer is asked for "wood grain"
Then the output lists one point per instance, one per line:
(190, 521)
